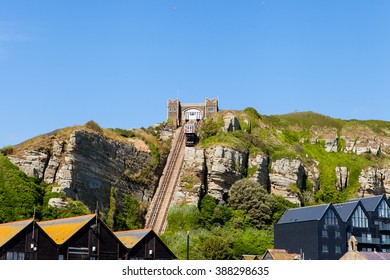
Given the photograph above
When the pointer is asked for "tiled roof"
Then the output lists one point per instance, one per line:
(131, 238)
(310, 213)
(63, 229)
(370, 203)
(9, 230)
(281, 254)
(345, 210)
(376, 255)
(250, 257)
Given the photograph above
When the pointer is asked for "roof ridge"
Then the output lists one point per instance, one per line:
(14, 222)
(68, 218)
(133, 230)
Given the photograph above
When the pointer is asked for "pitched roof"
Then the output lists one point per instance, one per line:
(310, 213)
(9, 230)
(281, 254)
(374, 256)
(62, 229)
(345, 210)
(250, 257)
(370, 203)
(131, 238)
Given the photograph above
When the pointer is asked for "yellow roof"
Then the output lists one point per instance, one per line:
(9, 230)
(63, 229)
(131, 237)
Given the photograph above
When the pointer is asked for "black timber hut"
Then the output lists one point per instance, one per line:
(25, 240)
(83, 238)
(144, 244)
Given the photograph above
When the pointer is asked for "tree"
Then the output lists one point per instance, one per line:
(217, 248)
(131, 217)
(183, 217)
(249, 196)
(207, 208)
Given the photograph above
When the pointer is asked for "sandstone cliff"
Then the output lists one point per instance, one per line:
(301, 161)
(86, 165)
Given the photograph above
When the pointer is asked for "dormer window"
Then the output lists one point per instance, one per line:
(383, 210)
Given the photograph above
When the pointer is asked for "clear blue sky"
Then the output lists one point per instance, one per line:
(66, 62)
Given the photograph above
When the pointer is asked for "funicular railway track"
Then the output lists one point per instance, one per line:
(158, 210)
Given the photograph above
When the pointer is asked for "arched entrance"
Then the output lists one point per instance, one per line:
(193, 114)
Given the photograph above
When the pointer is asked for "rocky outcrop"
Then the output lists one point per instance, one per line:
(374, 181)
(287, 178)
(225, 166)
(259, 163)
(87, 165)
(342, 175)
(231, 123)
(213, 170)
(192, 181)
(33, 162)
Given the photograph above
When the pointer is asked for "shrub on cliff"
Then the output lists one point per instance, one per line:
(94, 126)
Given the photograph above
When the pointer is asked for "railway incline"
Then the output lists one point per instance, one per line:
(156, 217)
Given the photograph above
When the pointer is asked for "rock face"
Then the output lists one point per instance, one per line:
(374, 181)
(231, 123)
(87, 165)
(192, 177)
(287, 177)
(260, 165)
(342, 174)
(225, 166)
(216, 169)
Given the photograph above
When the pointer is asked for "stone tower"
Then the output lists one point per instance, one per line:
(179, 113)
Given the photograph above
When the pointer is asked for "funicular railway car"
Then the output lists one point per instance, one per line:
(190, 132)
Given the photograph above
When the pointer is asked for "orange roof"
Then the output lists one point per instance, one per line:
(9, 230)
(131, 238)
(63, 229)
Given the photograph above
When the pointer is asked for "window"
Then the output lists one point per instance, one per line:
(385, 239)
(324, 248)
(211, 110)
(170, 109)
(61, 257)
(174, 109)
(324, 233)
(331, 218)
(338, 249)
(383, 210)
(337, 234)
(367, 237)
(359, 219)
(15, 256)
